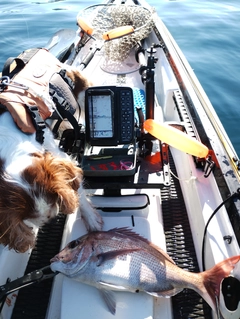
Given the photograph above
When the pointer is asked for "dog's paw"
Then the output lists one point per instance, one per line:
(95, 221)
(92, 219)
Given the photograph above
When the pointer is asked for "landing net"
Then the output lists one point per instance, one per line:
(103, 18)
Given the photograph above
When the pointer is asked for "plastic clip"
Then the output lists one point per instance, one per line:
(6, 81)
(209, 166)
(38, 122)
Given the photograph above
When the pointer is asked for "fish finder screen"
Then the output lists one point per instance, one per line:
(100, 116)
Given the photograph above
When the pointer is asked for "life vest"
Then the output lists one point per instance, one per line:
(34, 87)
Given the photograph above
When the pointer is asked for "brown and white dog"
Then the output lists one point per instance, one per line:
(36, 183)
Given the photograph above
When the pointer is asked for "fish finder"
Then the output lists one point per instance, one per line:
(109, 115)
(110, 132)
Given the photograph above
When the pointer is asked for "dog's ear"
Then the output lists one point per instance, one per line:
(16, 205)
(66, 181)
(81, 83)
(17, 236)
(57, 180)
(22, 237)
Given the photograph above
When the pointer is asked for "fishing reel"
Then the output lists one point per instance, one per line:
(146, 71)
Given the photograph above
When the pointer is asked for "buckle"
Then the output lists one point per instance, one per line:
(38, 122)
(6, 81)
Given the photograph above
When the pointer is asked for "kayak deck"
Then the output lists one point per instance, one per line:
(167, 200)
(179, 245)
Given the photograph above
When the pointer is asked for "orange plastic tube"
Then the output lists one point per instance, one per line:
(176, 138)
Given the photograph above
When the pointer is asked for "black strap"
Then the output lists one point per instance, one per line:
(38, 122)
(20, 61)
(66, 78)
(65, 114)
(6, 68)
(60, 89)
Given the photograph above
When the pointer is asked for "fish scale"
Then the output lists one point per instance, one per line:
(127, 264)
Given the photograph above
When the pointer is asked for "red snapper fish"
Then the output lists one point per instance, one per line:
(122, 260)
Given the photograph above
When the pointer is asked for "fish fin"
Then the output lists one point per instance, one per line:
(109, 299)
(213, 277)
(165, 293)
(113, 254)
(130, 233)
(163, 253)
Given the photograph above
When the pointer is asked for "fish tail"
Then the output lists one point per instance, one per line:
(213, 277)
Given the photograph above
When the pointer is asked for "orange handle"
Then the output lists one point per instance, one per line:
(176, 138)
(87, 28)
(117, 32)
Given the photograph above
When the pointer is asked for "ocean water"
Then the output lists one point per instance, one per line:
(208, 32)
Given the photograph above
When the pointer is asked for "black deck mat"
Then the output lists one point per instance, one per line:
(187, 304)
(32, 301)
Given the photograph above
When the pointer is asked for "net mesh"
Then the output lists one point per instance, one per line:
(103, 18)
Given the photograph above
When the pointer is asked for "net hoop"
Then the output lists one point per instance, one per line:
(105, 17)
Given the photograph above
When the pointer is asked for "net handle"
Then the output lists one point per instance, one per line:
(85, 26)
(108, 35)
(117, 32)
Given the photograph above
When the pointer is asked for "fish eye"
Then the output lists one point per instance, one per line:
(73, 244)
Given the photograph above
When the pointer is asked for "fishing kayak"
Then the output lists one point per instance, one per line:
(156, 159)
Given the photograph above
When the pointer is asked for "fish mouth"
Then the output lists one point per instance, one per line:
(55, 258)
(66, 257)
(59, 259)
(67, 263)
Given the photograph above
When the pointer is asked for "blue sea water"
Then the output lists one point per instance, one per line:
(208, 32)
